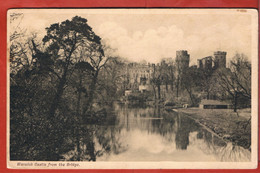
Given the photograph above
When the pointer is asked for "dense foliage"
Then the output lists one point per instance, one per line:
(57, 91)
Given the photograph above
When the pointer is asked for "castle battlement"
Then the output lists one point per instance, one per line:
(183, 53)
(220, 53)
(220, 59)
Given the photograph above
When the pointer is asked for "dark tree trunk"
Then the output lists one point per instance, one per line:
(172, 86)
(58, 95)
(235, 102)
(159, 91)
(52, 149)
(208, 95)
(154, 91)
(78, 118)
(177, 88)
(190, 95)
(91, 93)
(78, 114)
(91, 149)
(61, 85)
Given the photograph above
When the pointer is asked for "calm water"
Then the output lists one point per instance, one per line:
(150, 134)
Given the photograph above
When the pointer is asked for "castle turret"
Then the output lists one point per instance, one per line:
(182, 59)
(220, 59)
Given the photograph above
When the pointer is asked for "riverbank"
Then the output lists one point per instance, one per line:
(231, 126)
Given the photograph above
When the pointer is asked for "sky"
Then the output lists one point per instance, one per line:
(153, 34)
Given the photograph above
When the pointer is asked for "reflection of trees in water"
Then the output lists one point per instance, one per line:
(96, 140)
(165, 127)
(151, 119)
(84, 148)
(182, 139)
(223, 151)
(208, 143)
(108, 140)
(234, 153)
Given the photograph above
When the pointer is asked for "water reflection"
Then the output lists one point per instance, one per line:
(153, 134)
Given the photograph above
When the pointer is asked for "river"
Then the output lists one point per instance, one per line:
(153, 134)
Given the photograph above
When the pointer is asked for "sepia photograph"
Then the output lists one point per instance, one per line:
(132, 88)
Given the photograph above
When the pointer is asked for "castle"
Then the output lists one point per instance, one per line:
(139, 75)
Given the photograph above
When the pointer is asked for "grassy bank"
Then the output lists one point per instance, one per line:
(231, 126)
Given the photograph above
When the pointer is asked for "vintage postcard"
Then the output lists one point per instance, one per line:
(132, 88)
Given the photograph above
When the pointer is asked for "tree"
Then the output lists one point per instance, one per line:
(46, 75)
(165, 74)
(111, 83)
(241, 69)
(171, 76)
(20, 47)
(190, 81)
(206, 84)
(97, 60)
(236, 81)
(53, 84)
(63, 39)
(74, 92)
(28, 95)
(156, 80)
(16, 31)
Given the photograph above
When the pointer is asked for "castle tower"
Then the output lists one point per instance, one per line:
(182, 63)
(220, 59)
(182, 60)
